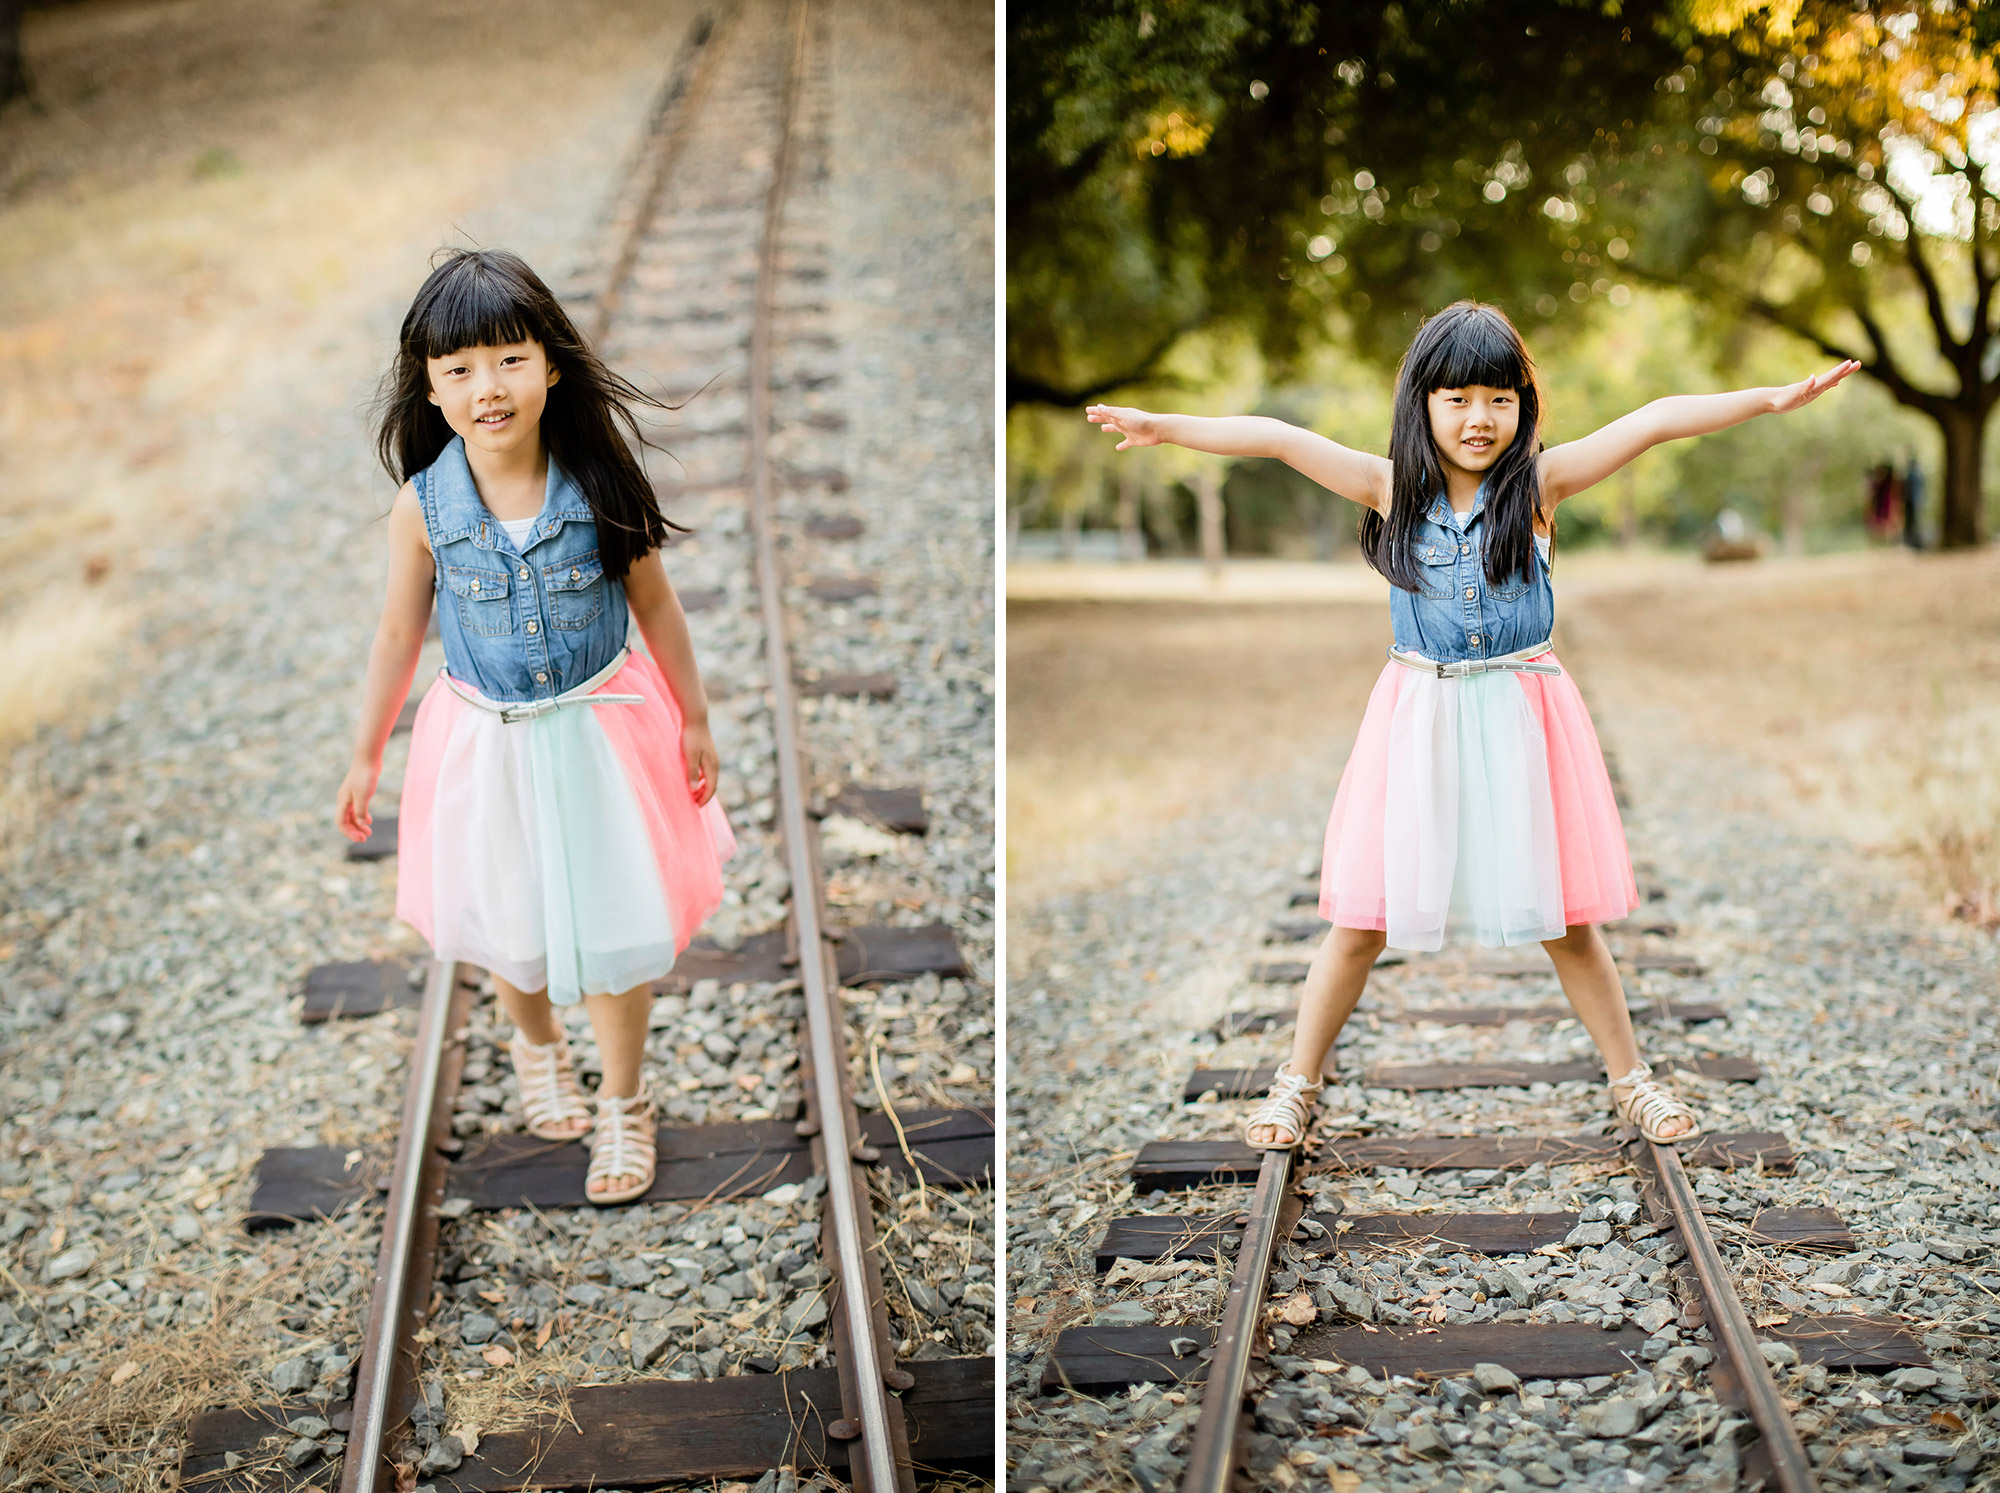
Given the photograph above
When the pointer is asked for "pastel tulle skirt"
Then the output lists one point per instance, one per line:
(1477, 807)
(564, 851)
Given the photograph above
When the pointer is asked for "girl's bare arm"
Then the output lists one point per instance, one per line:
(392, 660)
(1354, 475)
(663, 625)
(1569, 469)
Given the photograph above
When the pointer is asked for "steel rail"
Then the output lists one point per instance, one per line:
(1790, 1466)
(382, 1341)
(1212, 1457)
(824, 1021)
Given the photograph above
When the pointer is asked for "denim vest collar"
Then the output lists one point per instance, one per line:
(462, 514)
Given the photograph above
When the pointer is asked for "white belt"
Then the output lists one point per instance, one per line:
(527, 710)
(1507, 663)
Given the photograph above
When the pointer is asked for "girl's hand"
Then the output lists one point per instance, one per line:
(1799, 395)
(351, 809)
(703, 764)
(1138, 427)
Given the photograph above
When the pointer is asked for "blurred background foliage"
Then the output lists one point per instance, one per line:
(1249, 206)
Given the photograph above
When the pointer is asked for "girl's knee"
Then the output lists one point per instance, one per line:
(1577, 938)
(1358, 941)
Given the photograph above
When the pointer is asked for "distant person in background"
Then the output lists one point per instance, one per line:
(1913, 503)
(1882, 500)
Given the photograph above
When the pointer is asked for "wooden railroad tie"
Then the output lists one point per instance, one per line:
(649, 1431)
(865, 686)
(1291, 971)
(1171, 1165)
(380, 844)
(1247, 1083)
(952, 1148)
(832, 588)
(864, 956)
(1098, 1360)
(834, 525)
(898, 810)
(1166, 1236)
(1239, 1023)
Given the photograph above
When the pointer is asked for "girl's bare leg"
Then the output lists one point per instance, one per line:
(535, 1018)
(620, 1024)
(1334, 982)
(1590, 980)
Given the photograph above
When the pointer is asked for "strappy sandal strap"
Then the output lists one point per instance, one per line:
(623, 1143)
(549, 1092)
(1649, 1107)
(1288, 1105)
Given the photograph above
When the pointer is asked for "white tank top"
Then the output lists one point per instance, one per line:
(518, 529)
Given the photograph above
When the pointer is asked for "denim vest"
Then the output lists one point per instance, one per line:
(1454, 614)
(518, 624)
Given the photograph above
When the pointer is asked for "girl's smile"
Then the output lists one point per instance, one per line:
(484, 391)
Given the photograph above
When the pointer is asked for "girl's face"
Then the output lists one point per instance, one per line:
(1473, 425)
(493, 396)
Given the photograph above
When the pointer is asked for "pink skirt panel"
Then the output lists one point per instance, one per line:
(689, 843)
(1593, 866)
(437, 713)
(1597, 881)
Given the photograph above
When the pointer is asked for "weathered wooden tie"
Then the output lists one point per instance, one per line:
(1245, 1083)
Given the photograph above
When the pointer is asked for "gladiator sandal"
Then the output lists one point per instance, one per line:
(622, 1144)
(550, 1098)
(1648, 1106)
(1289, 1105)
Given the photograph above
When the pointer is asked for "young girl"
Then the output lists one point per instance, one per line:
(559, 826)
(1475, 796)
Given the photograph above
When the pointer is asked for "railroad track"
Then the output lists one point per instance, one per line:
(1292, 1319)
(711, 281)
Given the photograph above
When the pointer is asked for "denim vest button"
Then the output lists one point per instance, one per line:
(541, 678)
(522, 572)
(1465, 549)
(575, 575)
(534, 627)
(475, 585)
(1472, 638)
(1470, 593)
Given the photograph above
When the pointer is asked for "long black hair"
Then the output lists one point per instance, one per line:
(489, 298)
(1466, 343)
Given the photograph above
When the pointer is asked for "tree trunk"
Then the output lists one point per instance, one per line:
(1962, 521)
(1208, 505)
(13, 76)
(1131, 540)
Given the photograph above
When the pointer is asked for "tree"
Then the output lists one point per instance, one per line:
(1296, 168)
(13, 77)
(1829, 168)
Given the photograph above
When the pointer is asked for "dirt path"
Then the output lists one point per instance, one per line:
(212, 214)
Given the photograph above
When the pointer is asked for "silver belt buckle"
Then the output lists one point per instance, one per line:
(514, 714)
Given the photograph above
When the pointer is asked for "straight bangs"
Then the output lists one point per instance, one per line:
(1478, 350)
(474, 308)
(1467, 343)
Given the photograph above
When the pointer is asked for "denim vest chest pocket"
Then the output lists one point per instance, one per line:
(484, 605)
(1511, 589)
(576, 590)
(1436, 556)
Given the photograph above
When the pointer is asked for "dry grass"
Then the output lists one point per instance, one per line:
(127, 1421)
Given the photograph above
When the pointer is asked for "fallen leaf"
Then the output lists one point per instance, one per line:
(961, 1073)
(468, 1437)
(1948, 1420)
(1437, 1313)
(1366, 1328)
(1828, 1288)
(1774, 1319)
(1299, 1309)
(498, 1356)
(494, 1296)
(1024, 1303)
(1344, 1482)
(56, 1239)
(1345, 1226)
(130, 1367)
(542, 1333)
